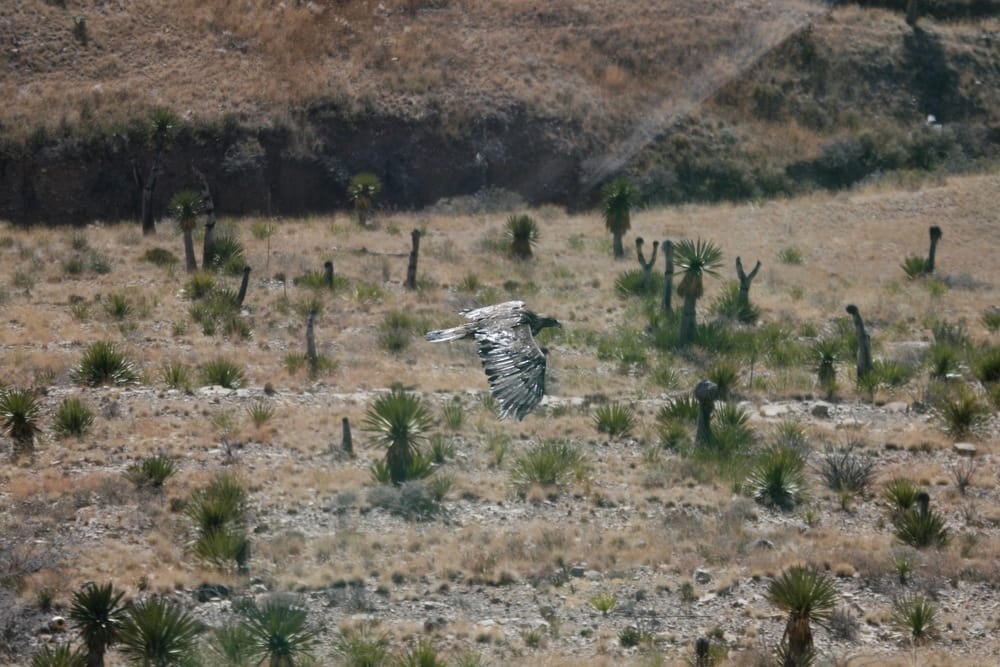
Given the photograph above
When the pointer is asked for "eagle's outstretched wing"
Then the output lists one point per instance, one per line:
(515, 368)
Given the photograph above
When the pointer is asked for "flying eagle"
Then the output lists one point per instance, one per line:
(514, 364)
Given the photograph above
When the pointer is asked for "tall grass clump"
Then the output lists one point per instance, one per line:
(521, 234)
(778, 478)
(224, 373)
(900, 493)
(20, 416)
(175, 375)
(846, 470)
(552, 463)
(916, 616)
(960, 411)
(218, 513)
(922, 529)
(615, 419)
(72, 418)
(103, 363)
(987, 365)
(152, 472)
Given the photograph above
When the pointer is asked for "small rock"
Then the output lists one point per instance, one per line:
(964, 449)
(897, 407)
(773, 410)
(577, 571)
(763, 544)
(702, 576)
(209, 592)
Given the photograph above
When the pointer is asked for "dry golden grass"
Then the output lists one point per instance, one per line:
(637, 517)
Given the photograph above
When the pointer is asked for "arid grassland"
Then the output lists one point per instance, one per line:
(628, 544)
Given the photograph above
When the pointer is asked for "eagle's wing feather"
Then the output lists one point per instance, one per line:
(515, 368)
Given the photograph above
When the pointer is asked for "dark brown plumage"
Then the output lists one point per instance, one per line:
(514, 364)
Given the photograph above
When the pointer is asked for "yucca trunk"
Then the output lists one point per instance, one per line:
(666, 299)
(800, 641)
(190, 261)
(689, 319)
(935, 234)
(616, 245)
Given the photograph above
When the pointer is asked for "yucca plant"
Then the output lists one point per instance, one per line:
(826, 353)
(224, 373)
(395, 331)
(220, 504)
(961, 411)
(226, 548)
(185, 206)
(603, 602)
(175, 375)
(260, 412)
(844, 469)
(725, 375)
(914, 267)
(682, 408)
(103, 363)
(987, 365)
(945, 361)
(63, 655)
(550, 463)
(900, 493)
(421, 654)
(228, 254)
(159, 633)
(362, 646)
(399, 421)
(692, 261)
(200, 286)
(362, 191)
(118, 306)
(615, 419)
(729, 305)
(453, 414)
(279, 631)
(633, 283)
(916, 616)
(619, 197)
(72, 417)
(97, 614)
(160, 257)
(152, 472)
(231, 646)
(778, 478)
(991, 319)
(922, 529)
(521, 232)
(807, 596)
(20, 416)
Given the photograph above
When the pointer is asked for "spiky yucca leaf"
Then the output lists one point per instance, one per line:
(103, 363)
(279, 631)
(695, 259)
(521, 232)
(158, 632)
(20, 412)
(399, 421)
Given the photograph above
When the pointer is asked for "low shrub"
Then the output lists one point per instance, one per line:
(778, 478)
(224, 373)
(845, 469)
(549, 463)
(160, 257)
(72, 417)
(103, 363)
(915, 616)
(615, 419)
(152, 472)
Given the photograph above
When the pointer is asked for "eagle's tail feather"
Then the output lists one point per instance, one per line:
(441, 335)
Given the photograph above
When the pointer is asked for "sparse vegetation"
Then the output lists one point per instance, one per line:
(551, 464)
(72, 417)
(20, 415)
(103, 363)
(223, 372)
(615, 419)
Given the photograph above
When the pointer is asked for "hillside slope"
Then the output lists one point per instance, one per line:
(456, 96)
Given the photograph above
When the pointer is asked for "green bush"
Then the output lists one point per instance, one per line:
(152, 472)
(414, 500)
(200, 285)
(920, 529)
(892, 373)
(72, 417)
(158, 632)
(991, 319)
(103, 363)
(175, 375)
(279, 631)
(218, 513)
(63, 655)
(453, 414)
(961, 411)
(945, 361)
(615, 419)
(727, 305)
(260, 412)
(362, 646)
(399, 422)
(224, 373)
(725, 375)
(914, 267)
(20, 413)
(778, 478)
(900, 493)
(682, 408)
(160, 257)
(396, 331)
(790, 255)
(632, 283)
(549, 463)
(521, 233)
(844, 469)
(228, 255)
(915, 615)
(987, 365)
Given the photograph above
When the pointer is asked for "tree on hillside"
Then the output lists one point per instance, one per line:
(363, 189)
(619, 197)
(158, 133)
(693, 260)
(185, 207)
